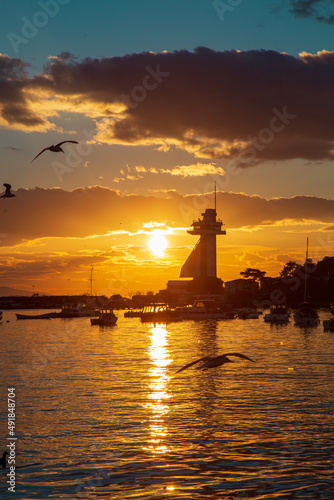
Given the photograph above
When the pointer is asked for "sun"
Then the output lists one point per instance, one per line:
(157, 244)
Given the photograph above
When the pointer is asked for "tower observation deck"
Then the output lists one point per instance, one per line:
(202, 262)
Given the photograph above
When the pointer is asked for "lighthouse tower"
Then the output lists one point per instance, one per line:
(202, 262)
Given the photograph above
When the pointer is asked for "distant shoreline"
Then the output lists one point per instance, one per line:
(258, 300)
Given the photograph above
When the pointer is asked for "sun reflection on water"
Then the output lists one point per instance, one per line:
(158, 388)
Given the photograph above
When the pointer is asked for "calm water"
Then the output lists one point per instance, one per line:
(100, 415)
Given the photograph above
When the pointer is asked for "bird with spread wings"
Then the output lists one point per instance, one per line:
(55, 148)
(212, 362)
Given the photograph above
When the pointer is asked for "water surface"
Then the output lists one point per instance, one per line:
(100, 414)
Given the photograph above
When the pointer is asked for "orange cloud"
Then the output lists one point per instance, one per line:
(85, 212)
(194, 170)
(51, 237)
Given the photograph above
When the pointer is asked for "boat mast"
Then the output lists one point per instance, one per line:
(91, 281)
(216, 197)
(306, 270)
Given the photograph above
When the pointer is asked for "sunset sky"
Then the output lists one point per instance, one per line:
(165, 99)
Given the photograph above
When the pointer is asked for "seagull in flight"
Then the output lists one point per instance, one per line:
(7, 194)
(210, 362)
(55, 148)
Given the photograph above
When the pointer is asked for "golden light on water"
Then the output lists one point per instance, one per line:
(158, 390)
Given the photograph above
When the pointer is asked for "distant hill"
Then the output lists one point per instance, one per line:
(6, 291)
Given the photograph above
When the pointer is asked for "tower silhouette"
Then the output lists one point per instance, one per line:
(202, 262)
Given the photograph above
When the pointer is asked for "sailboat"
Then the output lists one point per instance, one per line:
(306, 315)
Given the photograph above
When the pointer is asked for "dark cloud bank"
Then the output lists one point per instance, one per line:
(321, 10)
(247, 106)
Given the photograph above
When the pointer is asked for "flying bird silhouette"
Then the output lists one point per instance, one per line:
(55, 148)
(210, 362)
(7, 194)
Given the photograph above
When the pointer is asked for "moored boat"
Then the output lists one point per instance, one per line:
(278, 314)
(249, 313)
(71, 310)
(159, 312)
(132, 313)
(328, 324)
(204, 309)
(306, 315)
(35, 316)
(106, 317)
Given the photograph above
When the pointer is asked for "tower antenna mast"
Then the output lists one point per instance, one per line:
(216, 197)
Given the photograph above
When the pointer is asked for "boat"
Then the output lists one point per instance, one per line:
(204, 309)
(159, 312)
(72, 310)
(132, 313)
(328, 324)
(278, 314)
(35, 316)
(249, 313)
(307, 314)
(106, 317)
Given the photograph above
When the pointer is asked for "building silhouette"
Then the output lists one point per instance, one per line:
(202, 262)
(201, 265)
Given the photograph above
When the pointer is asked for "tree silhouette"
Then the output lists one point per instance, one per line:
(290, 269)
(254, 274)
(325, 268)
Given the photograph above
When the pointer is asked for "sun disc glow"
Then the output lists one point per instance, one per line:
(157, 244)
